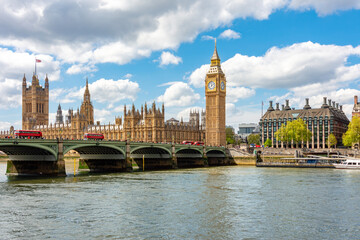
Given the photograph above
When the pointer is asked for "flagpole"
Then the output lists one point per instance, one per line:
(35, 66)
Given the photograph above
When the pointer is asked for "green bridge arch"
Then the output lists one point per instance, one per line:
(74, 147)
(52, 150)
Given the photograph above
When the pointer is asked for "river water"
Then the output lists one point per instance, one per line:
(207, 203)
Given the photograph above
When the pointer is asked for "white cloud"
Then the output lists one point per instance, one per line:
(103, 91)
(89, 33)
(82, 31)
(197, 77)
(297, 65)
(179, 94)
(229, 34)
(5, 126)
(14, 65)
(236, 115)
(324, 7)
(235, 93)
(167, 58)
(103, 115)
(207, 37)
(10, 93)
(81, 68)
(128, 76)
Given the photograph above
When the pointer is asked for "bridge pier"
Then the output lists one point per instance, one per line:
(102, 165)
(37, 165)
(128, 161)
(174, 159)
(206, 162)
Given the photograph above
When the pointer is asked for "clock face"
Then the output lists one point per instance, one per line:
(222, 85)
(211, 85)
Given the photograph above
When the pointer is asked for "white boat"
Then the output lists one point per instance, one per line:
(349, 163)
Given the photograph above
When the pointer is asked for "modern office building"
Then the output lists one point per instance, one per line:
(323, 121)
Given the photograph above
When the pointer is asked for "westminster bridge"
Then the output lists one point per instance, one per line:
(46, 157)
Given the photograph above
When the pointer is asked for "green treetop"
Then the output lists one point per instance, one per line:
(295, 131)
(352, 135)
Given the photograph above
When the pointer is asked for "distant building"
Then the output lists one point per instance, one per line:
(323, 121)
(245, 129)
(356, 108)
(59, 116)
(35, 103)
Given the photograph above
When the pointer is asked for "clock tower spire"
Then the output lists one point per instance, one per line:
(215, 93)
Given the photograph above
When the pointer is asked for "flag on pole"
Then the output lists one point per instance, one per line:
(36, 61)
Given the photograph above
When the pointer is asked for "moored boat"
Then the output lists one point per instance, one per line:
(349, 163)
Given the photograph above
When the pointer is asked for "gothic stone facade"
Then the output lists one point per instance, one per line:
(323, 121)
(35, 103)
(356, 108)
(147, 125)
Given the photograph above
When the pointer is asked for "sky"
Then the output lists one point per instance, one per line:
(137, 52)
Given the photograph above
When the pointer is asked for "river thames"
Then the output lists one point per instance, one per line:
(206, 203)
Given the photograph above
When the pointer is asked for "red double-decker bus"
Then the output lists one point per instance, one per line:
(27, 134)
(93, 136)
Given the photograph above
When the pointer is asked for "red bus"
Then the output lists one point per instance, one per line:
(187, 142)
(27, 134)
(93, 136)
(198, 143)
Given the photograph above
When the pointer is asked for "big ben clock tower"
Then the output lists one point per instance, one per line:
(215, 93)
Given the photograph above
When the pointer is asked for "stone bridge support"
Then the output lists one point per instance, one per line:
(32, 161)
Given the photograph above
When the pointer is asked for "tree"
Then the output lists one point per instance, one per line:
(230, 135)
(295, 131)
(268, 143)
(253, 139)
(352, 135)
(332, 140)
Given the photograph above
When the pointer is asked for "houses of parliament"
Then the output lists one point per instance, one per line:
(147, 124)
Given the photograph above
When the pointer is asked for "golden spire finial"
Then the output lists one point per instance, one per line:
(215, 60)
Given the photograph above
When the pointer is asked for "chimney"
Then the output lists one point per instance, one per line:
(307, 106)
(324, 105)
(270, 107)
(287, 107)
(340, 107)
(333, 104)
(329, 101)
(337, 105)
(277, 106)
(282, 107)
(355, 99)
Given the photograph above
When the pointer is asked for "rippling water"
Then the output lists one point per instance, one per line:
(208, 203)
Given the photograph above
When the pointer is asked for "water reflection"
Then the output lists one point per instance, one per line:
(206, 203)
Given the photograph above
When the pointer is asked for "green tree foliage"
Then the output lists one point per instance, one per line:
(230, 135)
(332, 140)
(253, 139)
(268, 143)
(295, 131)
(352, 135)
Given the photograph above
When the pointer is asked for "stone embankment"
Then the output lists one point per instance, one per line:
(241, 157)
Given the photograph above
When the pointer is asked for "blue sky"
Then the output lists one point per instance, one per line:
(144, 51)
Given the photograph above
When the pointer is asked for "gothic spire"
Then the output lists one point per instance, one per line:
(87, 92)
(215, 59)
(215, 66)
